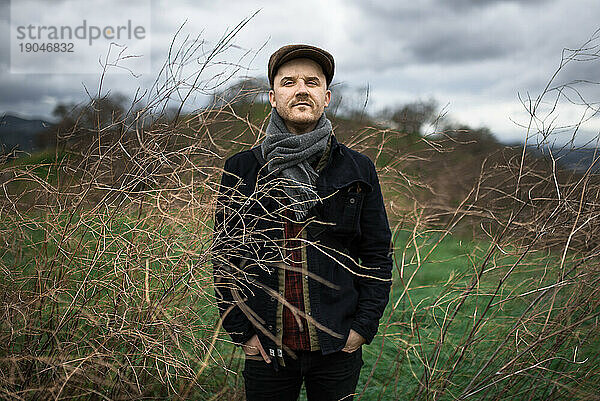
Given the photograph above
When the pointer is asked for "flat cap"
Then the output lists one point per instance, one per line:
(290, 52)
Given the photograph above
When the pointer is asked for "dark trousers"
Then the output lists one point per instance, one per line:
(330, 377)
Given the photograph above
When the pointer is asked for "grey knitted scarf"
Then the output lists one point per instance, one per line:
(290, 156)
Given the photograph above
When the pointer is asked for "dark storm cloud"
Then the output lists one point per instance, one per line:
(23, 89)
(23, 95)
(459, 46)
(441, 32)
(572, 65)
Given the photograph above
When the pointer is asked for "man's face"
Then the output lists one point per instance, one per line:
(300, 94)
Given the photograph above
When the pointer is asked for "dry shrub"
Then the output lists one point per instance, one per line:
(520, 319)
(107, 288)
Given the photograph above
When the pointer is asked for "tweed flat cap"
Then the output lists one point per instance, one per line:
(290, 52)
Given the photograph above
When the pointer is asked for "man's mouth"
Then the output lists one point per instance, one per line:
(302, 104)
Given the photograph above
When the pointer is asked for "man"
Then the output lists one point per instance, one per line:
(302, 263)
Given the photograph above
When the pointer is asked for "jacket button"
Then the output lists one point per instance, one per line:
(306, 278)
(352, 200)
(278, 329)
(270, 328)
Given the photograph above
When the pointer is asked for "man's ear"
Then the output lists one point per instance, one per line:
(272, 98)
(327, 97)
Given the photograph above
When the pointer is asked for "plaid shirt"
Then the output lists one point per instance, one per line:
(294, 336)
(295, 282)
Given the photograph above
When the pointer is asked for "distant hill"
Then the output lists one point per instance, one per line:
(20, 133)
(578, 159)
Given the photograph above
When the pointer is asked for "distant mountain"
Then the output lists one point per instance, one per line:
(578, 159)
(20, 133)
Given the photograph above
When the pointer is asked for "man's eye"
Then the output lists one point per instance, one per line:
(287, 83)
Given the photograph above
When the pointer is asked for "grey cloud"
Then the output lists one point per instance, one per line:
(19, 89)
(411, 35)
(421, 8)
(459, 46)
(4, 11)
(459, 31)
(488, 3)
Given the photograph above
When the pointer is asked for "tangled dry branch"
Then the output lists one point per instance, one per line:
(107, 288)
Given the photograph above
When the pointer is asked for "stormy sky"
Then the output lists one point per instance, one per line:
(480, 60)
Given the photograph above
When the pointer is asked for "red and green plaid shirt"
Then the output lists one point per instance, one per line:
(294, 336)
(295, 282)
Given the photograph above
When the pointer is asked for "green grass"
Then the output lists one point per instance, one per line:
(427, 287)
(413, 327)
(43, 164)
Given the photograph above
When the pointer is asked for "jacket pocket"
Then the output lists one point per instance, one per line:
(345, 207)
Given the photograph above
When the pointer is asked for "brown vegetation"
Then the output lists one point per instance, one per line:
(107, 289)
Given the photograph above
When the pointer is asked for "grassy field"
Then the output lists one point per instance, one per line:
(422, 297)
(113, 299)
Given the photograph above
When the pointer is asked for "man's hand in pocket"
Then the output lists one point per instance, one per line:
(254, 347)
(353, 342)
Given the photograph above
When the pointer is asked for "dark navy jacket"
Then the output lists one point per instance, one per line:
(350, 248)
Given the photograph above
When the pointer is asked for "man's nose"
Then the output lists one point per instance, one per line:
(301, 88)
